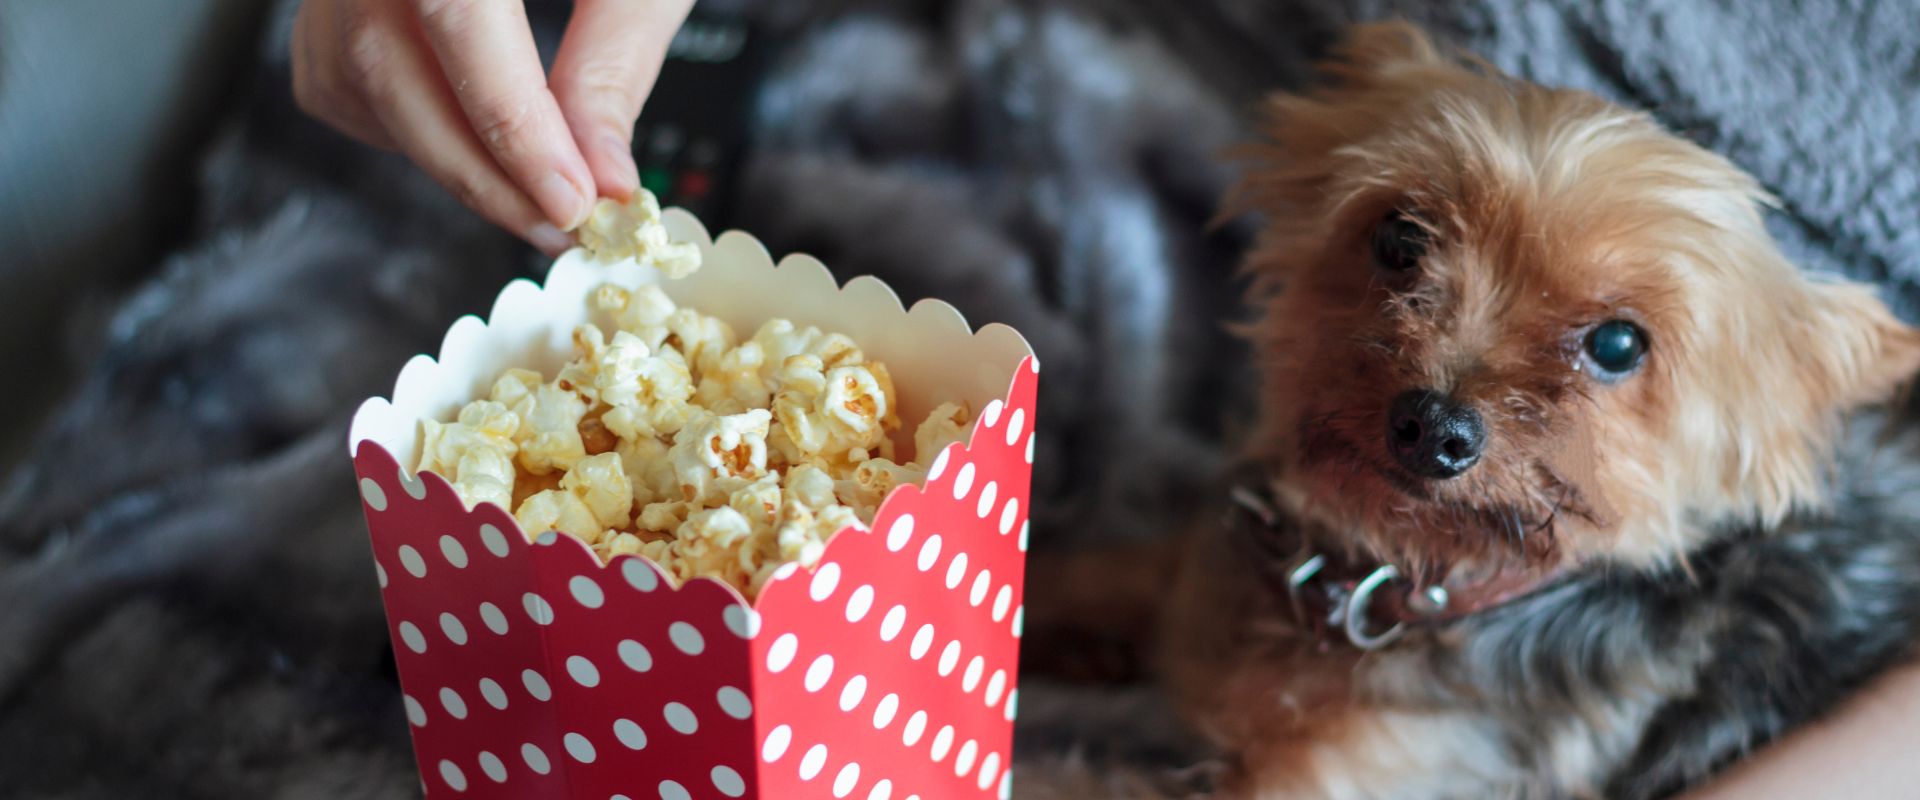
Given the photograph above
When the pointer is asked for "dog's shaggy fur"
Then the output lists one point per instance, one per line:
(1702, 593)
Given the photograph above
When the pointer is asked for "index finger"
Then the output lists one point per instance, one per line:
(486, 50)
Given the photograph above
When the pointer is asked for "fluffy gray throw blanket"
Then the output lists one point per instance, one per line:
(188, 610)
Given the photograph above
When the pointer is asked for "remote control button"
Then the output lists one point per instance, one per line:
(655, 180)
(694, 185)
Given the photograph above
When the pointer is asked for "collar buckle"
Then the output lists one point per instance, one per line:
(1349, 611)
(1355, 611)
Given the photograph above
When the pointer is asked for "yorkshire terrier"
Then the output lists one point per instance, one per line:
(1553, 491)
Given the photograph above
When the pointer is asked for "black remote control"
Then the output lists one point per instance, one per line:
(692, 130)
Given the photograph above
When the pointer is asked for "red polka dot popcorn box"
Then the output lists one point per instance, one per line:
(885, 672)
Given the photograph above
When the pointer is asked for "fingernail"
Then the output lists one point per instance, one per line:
(549, 239)
(561, 198)
(621, 153)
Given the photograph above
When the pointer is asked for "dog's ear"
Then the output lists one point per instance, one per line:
(1837, 347)
(1856, 348)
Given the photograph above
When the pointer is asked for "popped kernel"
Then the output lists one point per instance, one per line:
(601, 484)
(872, 480)
(946, 424)
(712, 447)
(558, 510)
(549, 434)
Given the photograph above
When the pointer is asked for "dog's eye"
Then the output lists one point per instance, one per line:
(1398, 243)
(1616, 346)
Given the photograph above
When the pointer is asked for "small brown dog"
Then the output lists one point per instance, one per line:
(1545, 419)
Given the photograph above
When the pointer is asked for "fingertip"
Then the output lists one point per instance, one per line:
(613, 167)
(562, 199)
(549, 239)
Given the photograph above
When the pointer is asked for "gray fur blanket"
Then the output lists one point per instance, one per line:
(186, 607)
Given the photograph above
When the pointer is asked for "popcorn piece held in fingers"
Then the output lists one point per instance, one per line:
(615, 231)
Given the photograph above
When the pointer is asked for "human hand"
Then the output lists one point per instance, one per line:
(457, 86)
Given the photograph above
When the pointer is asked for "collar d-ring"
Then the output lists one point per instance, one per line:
(1355, 621)
(1298, 579)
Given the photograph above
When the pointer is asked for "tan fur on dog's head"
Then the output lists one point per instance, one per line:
(1545, 212)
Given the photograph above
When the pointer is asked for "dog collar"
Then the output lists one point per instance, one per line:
(1366, 604)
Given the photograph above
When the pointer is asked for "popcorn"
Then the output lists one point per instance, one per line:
(648, 394)
(667, 436)
(702, 339)
(872, 480)
(474, 453)
(713, 447)
(485, 475)
(613, 231)
(617, 543)
(736, 384)
(558, 510)
(648, 471)
(549, 434)
(601, 484)
(945, 425)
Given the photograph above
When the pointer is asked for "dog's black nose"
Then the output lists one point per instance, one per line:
(1432, 436)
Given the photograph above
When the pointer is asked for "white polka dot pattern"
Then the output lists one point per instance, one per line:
(455, 554)
(495, 541)
(586, 592)
(494, 695)
(456, 780)
(493, 618)
(742, 621)
(776, 744)
(583, 671)
(494, 769)
(375, 497)
(734, 702)
(411, 561)
(814, 761)
(635, 655)
(450, 626)
(411, 636)
(536, 685)
(686, 638)
(853, 692)
(727, 781)
(578, 747)
(848, 778)
(826, 578)
(859, 603)
(680, 718)
(630, 734)
(455, 705)
(538, 668)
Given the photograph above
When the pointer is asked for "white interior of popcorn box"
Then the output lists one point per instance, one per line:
(932, 354)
